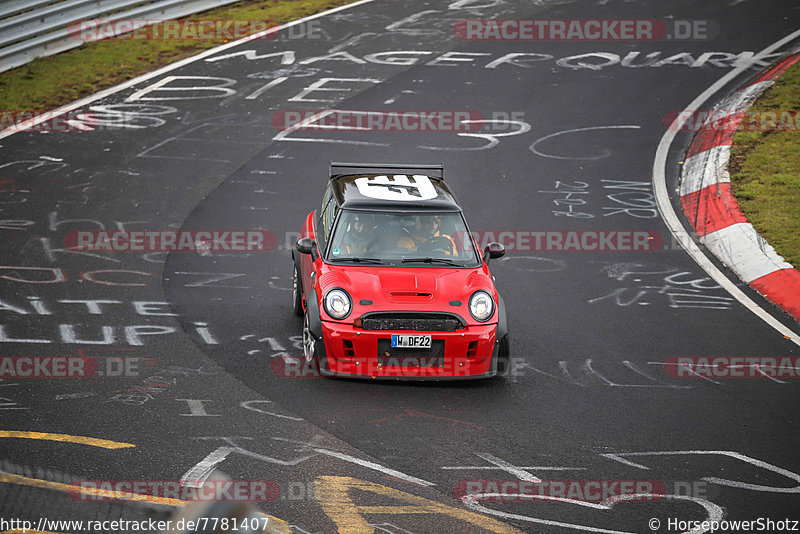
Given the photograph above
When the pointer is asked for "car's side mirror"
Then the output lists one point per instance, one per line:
(307, 245)
(493, 251)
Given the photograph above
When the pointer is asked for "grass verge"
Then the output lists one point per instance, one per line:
(765, 170)
(50, 82)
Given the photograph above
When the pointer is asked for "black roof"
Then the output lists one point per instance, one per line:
(393, 192)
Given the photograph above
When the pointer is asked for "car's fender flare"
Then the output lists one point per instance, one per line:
(500, 333)
(312, 309)
(502, 324)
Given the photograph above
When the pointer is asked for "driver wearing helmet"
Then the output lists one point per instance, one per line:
(425, 235)
(359, 234)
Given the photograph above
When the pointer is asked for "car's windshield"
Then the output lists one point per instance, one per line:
(424, 239)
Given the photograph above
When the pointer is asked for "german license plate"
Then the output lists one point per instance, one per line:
(410, 341)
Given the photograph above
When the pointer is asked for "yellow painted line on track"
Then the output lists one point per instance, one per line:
(334, 495)
(82, 440)
(8, 478)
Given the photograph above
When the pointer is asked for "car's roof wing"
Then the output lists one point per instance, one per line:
(388, 166)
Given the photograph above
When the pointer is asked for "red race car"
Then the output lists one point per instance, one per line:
(391, 284)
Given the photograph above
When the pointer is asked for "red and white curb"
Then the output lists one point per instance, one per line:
(712, 210)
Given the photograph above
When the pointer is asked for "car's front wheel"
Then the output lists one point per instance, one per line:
(313, 348)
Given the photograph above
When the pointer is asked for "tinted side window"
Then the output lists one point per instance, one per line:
(325, 199)
(319, 218)
(329, 217)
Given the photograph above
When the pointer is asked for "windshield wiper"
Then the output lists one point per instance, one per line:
(431, 260)
(357, 260)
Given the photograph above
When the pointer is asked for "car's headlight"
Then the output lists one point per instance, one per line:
(338, 304)
(481, 306)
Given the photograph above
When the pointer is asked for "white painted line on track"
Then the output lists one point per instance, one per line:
(671, 218)
(374, 466)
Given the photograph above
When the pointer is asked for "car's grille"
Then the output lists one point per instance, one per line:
(431, 322)
(411, 357)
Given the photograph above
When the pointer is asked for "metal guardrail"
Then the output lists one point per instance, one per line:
(37, 28)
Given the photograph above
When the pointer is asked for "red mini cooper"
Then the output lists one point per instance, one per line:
(391, 284)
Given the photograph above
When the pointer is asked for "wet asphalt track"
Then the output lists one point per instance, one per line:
(591, 330)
